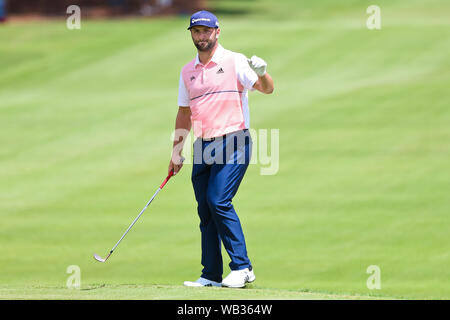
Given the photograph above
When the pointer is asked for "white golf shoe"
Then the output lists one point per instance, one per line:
(202, 282)
(239, 278)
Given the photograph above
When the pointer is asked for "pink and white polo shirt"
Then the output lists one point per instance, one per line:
(217, 93)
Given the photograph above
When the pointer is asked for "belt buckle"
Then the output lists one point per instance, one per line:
(208, 139)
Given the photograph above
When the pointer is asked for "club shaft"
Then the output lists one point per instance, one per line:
(132, 224)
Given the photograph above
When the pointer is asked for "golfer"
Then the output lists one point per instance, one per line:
(213, 100)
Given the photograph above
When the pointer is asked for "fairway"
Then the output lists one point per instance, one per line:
(170, 292)
(86, 118)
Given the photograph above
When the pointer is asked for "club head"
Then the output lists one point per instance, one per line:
(98, 258)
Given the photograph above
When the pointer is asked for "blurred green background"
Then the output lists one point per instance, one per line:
(86, 118)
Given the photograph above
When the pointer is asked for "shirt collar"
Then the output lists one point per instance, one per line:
(215, 58)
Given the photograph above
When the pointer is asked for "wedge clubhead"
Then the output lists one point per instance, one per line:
(100, 259)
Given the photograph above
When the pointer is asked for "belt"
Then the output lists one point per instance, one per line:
(214, 138)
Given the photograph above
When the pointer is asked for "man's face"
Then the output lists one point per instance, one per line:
(204, 38)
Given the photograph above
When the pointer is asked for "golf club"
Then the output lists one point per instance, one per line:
(100, 259)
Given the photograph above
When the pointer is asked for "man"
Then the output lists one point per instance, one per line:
(213, 100)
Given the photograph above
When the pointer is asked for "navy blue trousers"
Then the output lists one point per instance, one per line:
(217, 172)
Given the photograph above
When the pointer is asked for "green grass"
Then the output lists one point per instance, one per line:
(364, 179)
(170, 292)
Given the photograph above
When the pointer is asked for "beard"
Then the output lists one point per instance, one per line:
(206, 45)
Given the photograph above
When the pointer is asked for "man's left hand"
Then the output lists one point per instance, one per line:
(258, 65)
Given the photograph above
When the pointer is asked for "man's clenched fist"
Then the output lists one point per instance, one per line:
(258, 65)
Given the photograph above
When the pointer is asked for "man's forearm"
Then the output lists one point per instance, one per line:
(266, 83)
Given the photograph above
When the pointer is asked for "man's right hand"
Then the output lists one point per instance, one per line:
(176, 163)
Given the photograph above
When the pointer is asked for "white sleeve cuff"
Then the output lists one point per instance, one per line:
(183, 94)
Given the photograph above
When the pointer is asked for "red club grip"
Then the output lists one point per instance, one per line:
(167, 179)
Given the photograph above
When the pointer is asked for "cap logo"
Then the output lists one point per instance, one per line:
(200, 19)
